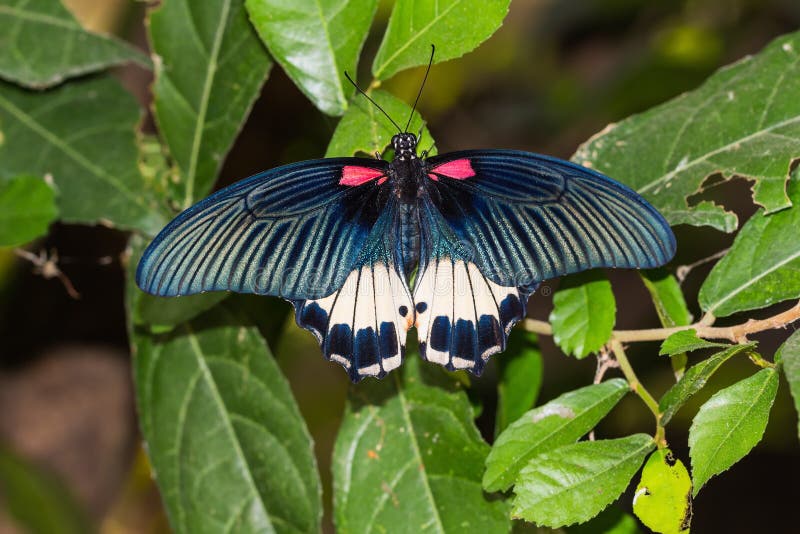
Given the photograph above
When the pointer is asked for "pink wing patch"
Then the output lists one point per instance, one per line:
(354, 175)
(458, 169)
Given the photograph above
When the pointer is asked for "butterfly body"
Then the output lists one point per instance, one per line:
(367, 249)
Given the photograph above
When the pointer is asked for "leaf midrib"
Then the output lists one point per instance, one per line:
(39, 17)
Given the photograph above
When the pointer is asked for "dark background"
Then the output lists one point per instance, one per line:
(557, 72)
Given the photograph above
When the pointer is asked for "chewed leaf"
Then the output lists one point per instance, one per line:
(663, 498)
(743, 121)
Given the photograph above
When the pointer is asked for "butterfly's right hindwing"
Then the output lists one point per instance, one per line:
(294, 232)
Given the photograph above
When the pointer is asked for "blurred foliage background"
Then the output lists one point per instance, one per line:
(557, 72)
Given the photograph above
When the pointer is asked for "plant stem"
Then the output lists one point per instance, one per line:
(737, 333)
(633, 380)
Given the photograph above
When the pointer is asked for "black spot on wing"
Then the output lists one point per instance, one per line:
(388, 339)
(511, 310)
(490, 334)
(421, 307)
(440, 334)
(340, 341)
(312, 317)
(366, 348)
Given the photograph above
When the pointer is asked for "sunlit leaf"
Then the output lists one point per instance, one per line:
(27, 207)
(788, 356)
(229, 448)
(315, 41)
(210, 66)
(743, 121)
(730, 424)
(663, 499)
(584, 311)
(694, 380)
(43, 44)
(686, 341)
(574, 483)
(559, 422)
(83, 135)
(408, 458)
(520, 368)
(455, 27)
(365, 130)
(763, 265)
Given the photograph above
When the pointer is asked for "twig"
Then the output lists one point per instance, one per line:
(737, 333)
(633, 380)
(47, 266)
(683, 270)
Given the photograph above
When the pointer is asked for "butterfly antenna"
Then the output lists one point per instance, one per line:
(373, 102)
(430, 62)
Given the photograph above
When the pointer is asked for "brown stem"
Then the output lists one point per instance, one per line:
(737, 333)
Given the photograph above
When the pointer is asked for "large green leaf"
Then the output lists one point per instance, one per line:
(520, 368)
(730, 424)
(584, 311)
(364, 129)
(694, 380)
(43, 44)
(228, 445)
(788, 356)
(37, 500)
(663, 499)
(743, 121)
(762, 267)
(27, 207)
(408, 458)
(574, 483)
(315, 41)
(559, 422)
(455, 27)
(210, 66)
(82, 134)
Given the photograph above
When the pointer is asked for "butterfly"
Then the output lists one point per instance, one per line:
(365, 249)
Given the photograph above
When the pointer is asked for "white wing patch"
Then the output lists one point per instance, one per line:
(363, 325)
(462, 317)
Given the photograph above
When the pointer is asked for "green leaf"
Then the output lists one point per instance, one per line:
(584, 311)
(788, 356)
(574, 483)
(686, 341)
(364, 129)
(44, 44)
(694, 380)
(743, 121)
(83, 135)
(455, 27)
(227, 443)
(210, 66)
(520, 368)
(730, 424)
(37, 500)
(315, 41)
(408, 458)
(559, 422)
(667, 297)
(162, 314)
(663, 499)
(27, 207)
(761, 268)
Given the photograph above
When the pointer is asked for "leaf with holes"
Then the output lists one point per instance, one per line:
(408, 458)
(83, 135)
(559, 422)
(454, 26)
(574, 483)
(364, 129)
(43, 45)
(788, 356)
(743, 121)
(584, 311)
(210, 66)
(315, 41)
(663, 499)
(212, 402)
(27, 207)
(761, 268)
(730, 424)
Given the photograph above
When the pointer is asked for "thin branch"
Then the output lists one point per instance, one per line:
(737, 333)
(683, 270)
(633, 380)
(47, 266)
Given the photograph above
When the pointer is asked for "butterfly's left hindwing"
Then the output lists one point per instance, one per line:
(363, 324)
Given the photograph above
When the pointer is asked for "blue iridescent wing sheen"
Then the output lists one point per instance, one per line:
(363, 324)
(530, 217)
(293, 231)
(462, 315)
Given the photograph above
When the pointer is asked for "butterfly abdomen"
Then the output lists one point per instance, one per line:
(409, 236)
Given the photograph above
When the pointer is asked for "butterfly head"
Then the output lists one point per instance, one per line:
(405, 146)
